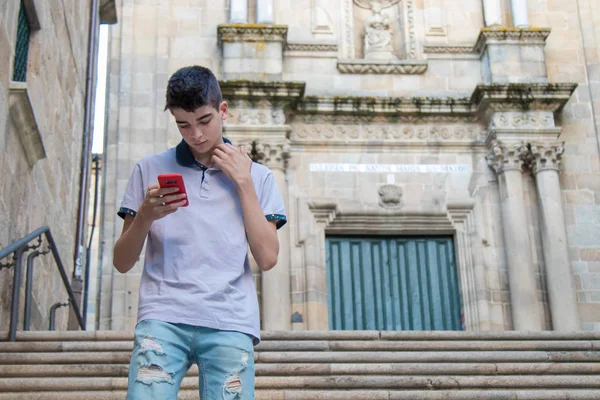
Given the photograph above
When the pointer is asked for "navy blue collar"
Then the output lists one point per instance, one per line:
(186, 158)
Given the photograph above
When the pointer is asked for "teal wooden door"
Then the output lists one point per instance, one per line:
(392, 284)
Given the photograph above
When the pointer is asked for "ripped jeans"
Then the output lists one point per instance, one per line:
(163, 353)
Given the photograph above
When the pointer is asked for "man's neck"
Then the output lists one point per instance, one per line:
(206, 158)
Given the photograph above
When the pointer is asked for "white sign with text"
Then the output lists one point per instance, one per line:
(391, 168)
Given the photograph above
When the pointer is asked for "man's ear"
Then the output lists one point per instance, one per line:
(223, 108)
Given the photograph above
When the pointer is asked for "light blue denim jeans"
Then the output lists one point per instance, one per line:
(163, 353)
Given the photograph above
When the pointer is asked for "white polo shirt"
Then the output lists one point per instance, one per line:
(196, 268)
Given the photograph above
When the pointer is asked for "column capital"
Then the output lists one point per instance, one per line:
(545, 156)
(506, 156)
(273, 155)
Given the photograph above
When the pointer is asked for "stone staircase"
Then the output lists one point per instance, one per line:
(327, 365)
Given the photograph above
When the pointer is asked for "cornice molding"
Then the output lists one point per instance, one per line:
(280, 92)
(361, 66)
(320, 47)
(523, 96)
(251, 33)
(511, 36)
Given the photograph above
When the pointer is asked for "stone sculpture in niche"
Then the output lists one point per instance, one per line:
(378, 35)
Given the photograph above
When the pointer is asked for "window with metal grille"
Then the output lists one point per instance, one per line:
(22, 46)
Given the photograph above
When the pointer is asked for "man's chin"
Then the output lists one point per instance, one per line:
(200, 149)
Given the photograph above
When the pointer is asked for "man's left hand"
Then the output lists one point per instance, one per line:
(234, 162)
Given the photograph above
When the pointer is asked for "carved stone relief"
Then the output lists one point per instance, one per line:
(393, 132)
(411, 30)
(390, 196)
(378, 33)
(523, 120)
(260, 113)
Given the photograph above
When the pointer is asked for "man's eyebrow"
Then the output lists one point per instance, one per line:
(197, 119)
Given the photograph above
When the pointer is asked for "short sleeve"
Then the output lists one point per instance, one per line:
(271, 201)
(134, 194)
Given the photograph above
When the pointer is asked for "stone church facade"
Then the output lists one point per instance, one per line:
(440, 163)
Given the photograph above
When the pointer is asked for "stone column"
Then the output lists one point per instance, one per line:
(507, 160)
(545, 162)
(519, 13)
(238, 12)
(265, 14)
(492, 13)
(276, 295)
(316, 302)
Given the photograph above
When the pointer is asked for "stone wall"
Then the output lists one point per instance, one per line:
(47, 192)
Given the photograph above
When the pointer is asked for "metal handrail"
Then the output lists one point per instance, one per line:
(17, 249)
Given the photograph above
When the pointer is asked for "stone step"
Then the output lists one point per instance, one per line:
(574, 394)
(325, 345)
(66, 336)
(328, 357)
(328, 366)
(349, 382)
(121, 370)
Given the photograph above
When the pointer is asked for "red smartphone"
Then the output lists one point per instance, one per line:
(173, 180)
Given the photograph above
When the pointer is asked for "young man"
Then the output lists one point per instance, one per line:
(197, 301)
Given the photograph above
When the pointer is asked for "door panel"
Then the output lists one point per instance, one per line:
(392, 284)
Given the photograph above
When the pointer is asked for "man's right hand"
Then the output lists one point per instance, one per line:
(155, 204)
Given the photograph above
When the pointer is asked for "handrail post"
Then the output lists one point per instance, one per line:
(65, 279)
(55, 306)
(29, 287)
(14, 313)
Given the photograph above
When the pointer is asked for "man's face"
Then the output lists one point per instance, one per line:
(202, 129)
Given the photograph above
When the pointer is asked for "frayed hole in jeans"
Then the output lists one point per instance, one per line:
(233, 384)
(154, 374)
(150, 344)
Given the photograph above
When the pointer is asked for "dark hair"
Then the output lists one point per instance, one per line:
(193, 87)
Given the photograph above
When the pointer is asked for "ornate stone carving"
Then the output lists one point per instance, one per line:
(348, 26)
(369, 4)
(251, 33)
(390, 196)
(387, 132)
(378, 35)
(449, 49)
(534, 120)
(273, 155)
(381, 67)
(409, 26)
(311, 47)
(262, 112)
(412, 31)
(507, 156)
(545, 156)
(402, 119)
